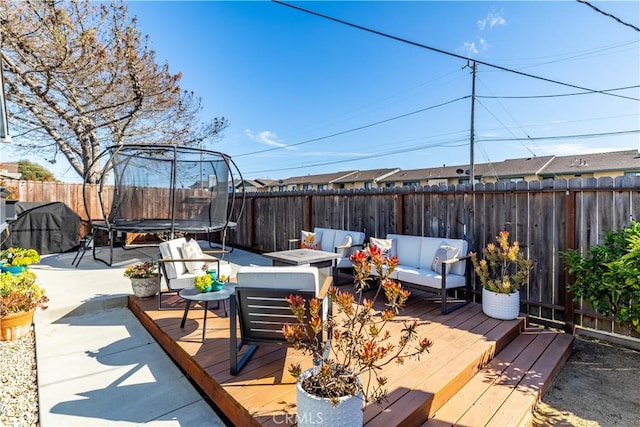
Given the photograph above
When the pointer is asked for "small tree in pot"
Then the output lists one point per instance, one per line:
(502, 271)
(350, 363)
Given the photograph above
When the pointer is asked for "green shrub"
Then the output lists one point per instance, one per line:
(608, 276)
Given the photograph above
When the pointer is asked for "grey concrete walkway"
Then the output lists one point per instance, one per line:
(96, 364)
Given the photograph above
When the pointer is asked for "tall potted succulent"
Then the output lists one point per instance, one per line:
(502, 271)
(347, 368)
(19, 298)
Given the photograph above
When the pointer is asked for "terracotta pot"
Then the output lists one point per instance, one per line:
(16, 325)
(145, 288)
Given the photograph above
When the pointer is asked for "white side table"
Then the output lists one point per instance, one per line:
(192, 294)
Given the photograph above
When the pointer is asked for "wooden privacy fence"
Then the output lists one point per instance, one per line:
(546, 218)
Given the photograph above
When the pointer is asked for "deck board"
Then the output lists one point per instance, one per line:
(263, 393)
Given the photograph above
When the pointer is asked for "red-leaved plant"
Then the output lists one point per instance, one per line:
(360, 344)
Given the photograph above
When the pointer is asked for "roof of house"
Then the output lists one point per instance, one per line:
(545, 166)
(368, 175)
(589, 163)
(517, 167)
(316, 179)
(442, 172)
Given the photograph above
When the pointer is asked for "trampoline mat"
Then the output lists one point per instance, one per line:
(161, 225)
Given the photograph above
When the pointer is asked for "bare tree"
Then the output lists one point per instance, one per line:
(80, 77)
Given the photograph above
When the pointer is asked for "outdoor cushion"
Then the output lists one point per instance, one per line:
(172, 249)
(310, 240)
(279, 277)
(385, 245)
(444, 252)
(191, 250)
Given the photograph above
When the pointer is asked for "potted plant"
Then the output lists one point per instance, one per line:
(217, 283)
(347, 368)
(203, 282)
(17, 259)
(607, 276)
(502, 271)
(19, 298)
(144, 278)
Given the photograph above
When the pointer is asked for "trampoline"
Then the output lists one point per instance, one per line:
(164, 190)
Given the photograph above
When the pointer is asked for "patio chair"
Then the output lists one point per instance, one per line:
(260, 304)
(180, 261)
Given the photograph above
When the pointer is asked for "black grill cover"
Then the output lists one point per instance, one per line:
(45, 227)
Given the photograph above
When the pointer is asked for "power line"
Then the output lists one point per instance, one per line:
(554, 95)
(455, 143)
(444, 52)
(608, 14)
(354, 129)
(542, 138)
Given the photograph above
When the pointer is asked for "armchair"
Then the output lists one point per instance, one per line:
(260, 304)
(180, 261)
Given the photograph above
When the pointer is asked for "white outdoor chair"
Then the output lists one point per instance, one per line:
(177, 269)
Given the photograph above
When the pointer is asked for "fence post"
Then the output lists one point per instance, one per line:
(570, 239)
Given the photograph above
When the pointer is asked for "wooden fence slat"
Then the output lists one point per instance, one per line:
(534, 212)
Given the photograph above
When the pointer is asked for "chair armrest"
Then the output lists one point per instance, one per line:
(354, 245)
(454, 260)
(293, 242)
(164, 260)
(324, 290)
(216, 251)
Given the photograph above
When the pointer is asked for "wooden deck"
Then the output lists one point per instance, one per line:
(480, 371)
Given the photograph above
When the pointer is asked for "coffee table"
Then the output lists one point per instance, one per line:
(192, 294)
(312, 257)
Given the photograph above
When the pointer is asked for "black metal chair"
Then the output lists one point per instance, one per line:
(262, 311)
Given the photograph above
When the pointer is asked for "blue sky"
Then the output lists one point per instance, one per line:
(308, 95)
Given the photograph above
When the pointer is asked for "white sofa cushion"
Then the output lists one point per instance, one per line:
(173, 249)
(427, 277)
(328, 242)
(408, 249)
(277, 277)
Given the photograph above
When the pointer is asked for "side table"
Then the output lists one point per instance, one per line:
(192, 294)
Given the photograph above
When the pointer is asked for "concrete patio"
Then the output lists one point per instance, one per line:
(96, 364)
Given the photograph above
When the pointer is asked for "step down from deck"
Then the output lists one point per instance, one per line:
(505, 391)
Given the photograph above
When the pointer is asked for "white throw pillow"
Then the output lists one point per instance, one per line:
(386, 245)
(191, 250)
(444, 252)
(346, 246)
(309, 240)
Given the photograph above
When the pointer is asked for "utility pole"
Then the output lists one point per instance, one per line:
(474, 70)
(468, 221)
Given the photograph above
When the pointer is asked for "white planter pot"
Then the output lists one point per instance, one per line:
(319, 411)
(144, 288)
(501, 306)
